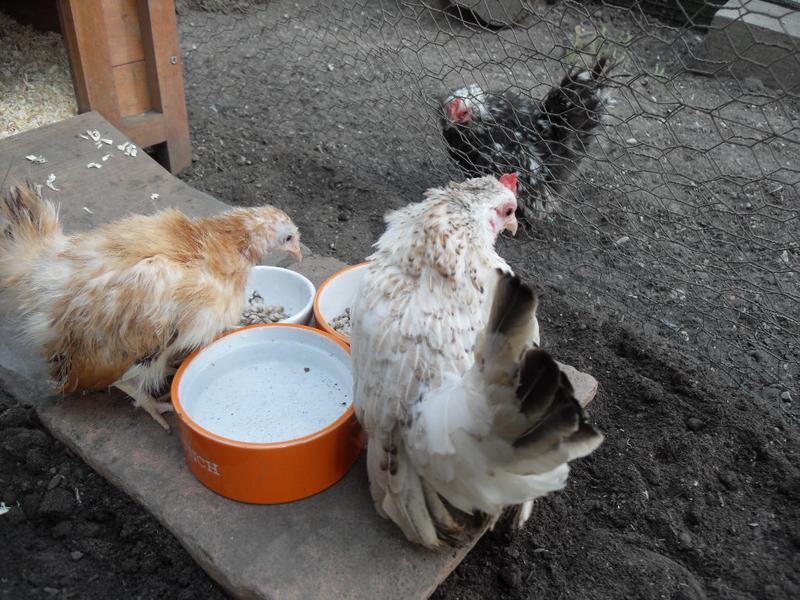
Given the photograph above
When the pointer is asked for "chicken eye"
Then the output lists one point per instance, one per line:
(289, 238)
(509, 211)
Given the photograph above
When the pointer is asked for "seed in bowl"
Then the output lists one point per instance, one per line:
(257, 312)
(341, 323)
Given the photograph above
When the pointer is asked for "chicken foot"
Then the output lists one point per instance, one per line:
(144, 400)
(446, 526)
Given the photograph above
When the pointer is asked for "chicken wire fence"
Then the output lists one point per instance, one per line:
(680, 214)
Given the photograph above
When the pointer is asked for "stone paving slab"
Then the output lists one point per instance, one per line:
(757, 39)
(332, 545)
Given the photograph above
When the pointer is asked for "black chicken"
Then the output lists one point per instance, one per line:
(495, 133)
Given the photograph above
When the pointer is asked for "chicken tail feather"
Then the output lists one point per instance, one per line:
(27, 217)
(558, 431)
(29, 229)
(571, 112)
(512, 322)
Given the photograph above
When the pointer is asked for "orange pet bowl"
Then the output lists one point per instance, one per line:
(265, 413)
(337, 293)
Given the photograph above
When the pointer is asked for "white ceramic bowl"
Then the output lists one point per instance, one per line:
(337, 293)
(287, 288)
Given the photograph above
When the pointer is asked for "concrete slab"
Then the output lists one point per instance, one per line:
(332, 545)
(754, 38)
(90, 196)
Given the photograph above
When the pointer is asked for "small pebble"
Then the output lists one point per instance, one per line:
(694, 424)
(76, 555)
(729, 480)
(55, 482)
(786, 396)
(623, 240)
(685, 539)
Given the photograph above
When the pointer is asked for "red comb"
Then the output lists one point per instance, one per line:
(510, 181)
(455, 108)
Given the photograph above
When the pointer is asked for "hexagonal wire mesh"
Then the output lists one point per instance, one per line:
(679, 214)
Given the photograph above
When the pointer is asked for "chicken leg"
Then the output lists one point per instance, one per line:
(147, 402)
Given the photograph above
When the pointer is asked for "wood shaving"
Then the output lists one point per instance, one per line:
(51, 181)
(35, 80)
(88, 210)
(154, 196)
(128, 149)
(36, 159)
(257, 312)
(94, 165)
(106, 157)
(342, 324)
(93, 134)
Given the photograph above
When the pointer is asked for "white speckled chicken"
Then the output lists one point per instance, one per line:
(112, 306)
(461, 408)
(542, 141)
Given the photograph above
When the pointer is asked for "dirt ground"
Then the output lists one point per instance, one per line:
(667, 273)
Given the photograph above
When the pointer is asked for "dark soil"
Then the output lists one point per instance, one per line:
(690, 323)
(70, 534)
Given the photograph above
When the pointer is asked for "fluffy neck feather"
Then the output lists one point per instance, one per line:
(243, 231)
(439, 233)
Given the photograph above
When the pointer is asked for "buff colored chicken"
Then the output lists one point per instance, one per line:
(113, 306)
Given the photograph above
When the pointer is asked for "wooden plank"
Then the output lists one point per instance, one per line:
(132, 88)
(164, 69)
(124, 33)
(100, 33)
(145, 129)
(84, 28)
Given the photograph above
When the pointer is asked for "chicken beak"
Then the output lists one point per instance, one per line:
(512, 225)
(297, 253)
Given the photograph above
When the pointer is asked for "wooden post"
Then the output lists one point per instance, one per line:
(126, 65)
(165, 77)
